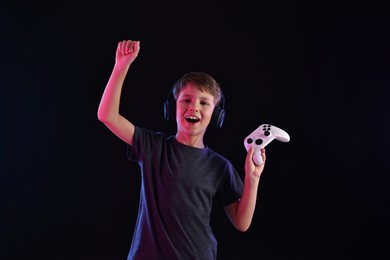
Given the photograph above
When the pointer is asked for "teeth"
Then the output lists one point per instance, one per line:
(192, 119)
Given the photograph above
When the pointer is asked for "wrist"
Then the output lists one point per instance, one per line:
(252, 178)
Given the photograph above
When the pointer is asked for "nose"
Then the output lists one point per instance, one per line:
(193, 107)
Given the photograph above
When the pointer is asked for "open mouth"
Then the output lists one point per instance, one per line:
(192, 119)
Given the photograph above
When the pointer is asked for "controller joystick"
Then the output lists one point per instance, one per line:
(261, 137)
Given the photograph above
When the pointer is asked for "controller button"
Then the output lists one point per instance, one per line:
(259, 141)
(249, 140)
(267, 133)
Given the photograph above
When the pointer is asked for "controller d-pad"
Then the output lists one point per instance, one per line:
(259, 141)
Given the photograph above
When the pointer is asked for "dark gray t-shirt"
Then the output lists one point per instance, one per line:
(179, 186)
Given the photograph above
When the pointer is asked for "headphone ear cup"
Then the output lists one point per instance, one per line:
(219, 112)
(169, 109)
(219, 116)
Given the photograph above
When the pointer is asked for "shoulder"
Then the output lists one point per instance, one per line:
(147, 138)
(141, 132)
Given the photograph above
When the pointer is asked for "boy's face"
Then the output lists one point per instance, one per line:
(194, 110)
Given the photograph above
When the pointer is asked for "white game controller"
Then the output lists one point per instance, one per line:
(261, 137)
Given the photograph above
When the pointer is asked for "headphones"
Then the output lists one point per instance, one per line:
(218, 114)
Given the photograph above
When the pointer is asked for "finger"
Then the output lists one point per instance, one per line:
(128, 47)
(263, 155)
(120, 47)
(135, 46)
(249, 156)
(123, 47)
(250, 151)
(132, 47)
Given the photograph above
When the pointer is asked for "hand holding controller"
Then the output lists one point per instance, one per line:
(261, 137)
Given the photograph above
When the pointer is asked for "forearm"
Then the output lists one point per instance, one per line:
(109, 105)
(246, 206)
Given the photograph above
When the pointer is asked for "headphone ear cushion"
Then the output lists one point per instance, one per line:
(219, 116)
(169, 109)
(219, 112)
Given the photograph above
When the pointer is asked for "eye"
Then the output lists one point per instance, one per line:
(204, 103)
(185, 100)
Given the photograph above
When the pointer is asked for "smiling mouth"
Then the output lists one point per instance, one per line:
(192, 119)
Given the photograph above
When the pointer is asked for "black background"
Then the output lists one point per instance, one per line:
(317, 69)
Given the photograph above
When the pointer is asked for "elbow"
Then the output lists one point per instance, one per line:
(105, 120)
(103, 113)
(107, 115)
(100, 116)
(103, 117)
(243, 228)
(242, 225)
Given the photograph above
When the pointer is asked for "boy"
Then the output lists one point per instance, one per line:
(181, 176)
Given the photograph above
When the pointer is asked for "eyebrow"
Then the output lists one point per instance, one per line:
(190, 96)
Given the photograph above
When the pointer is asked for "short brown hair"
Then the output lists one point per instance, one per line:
(202, 80)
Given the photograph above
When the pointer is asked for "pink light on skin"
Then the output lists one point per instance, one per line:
(194, 110)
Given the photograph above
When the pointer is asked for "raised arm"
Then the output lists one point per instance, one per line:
(108, 111)
(241, 212)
